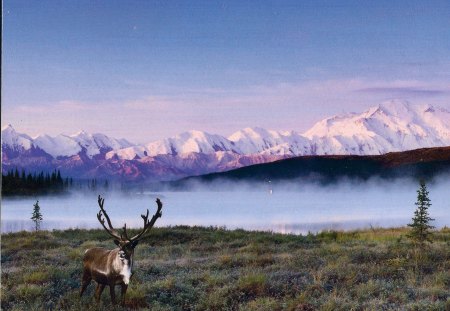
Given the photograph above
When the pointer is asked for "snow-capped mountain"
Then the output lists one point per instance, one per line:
(391, 126)
(99, 143)
(61, 145)
(15, 140)
(188, 142)
(58, 146)
(262, 141)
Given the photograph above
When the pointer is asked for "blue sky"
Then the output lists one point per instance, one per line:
(146, 70)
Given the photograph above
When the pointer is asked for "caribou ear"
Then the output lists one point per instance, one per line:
(117, 242)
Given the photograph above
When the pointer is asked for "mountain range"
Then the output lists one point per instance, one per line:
(391, 126)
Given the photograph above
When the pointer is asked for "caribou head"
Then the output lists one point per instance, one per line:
(113, 267)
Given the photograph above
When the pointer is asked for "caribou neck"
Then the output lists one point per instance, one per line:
(123, 264)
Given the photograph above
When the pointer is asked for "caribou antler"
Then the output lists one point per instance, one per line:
(149, 224)
(101, 213)
(119, 236)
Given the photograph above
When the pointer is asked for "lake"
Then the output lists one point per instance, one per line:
(285, 208)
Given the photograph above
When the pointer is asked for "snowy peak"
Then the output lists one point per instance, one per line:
(8, 129)
(58, 146)
(397, 108)
(97, 143)
(188, 142)
(391, 126)
(196, 141)
(257, 140)
(62, 145)
(13, 140)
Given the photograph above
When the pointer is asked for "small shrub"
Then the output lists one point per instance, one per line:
(428, 305)
(442, 279)
(36, 277)
(372, 289)
(263, 260)
(287, 283)
(433, 293)
(136, 297)
(334, 303)
(335, 276)
(262, 304)
(225, 260)
(29, 291)
(398, 297)
(314, 291)
(166, 284)
(308, 260)
(301, 303)
(75, 254)
(252, 284)
(176, 252)
(237, 260)
(328, 236)
(216, 299)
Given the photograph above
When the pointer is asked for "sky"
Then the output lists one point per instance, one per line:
(147, 70)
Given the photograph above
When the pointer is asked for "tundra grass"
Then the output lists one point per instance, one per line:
(196, 268)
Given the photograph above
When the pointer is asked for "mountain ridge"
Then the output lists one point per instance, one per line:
(391, 126)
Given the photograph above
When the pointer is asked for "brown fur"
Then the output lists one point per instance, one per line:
(113, 267)
(98, 266)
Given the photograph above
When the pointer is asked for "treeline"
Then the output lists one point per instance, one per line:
(94, 184)
(15, 183)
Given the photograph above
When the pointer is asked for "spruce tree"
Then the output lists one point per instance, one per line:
(420, 225)
(37, 216)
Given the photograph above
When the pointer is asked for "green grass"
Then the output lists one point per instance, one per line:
(196, 268)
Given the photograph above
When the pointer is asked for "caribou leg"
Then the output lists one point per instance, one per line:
(85, 280)
(113, 293)
(99, 291)
(124, 291)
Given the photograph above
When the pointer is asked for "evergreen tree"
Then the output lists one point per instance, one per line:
(420, 225)
(37, 216)
(53, 179)
(30, 180)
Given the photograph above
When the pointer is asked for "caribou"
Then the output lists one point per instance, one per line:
(113, 267)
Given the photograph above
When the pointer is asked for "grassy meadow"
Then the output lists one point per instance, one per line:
(195, 268)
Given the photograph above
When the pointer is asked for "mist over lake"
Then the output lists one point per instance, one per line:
(278, 207)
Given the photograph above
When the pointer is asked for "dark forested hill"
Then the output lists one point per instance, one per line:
(421, 163)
